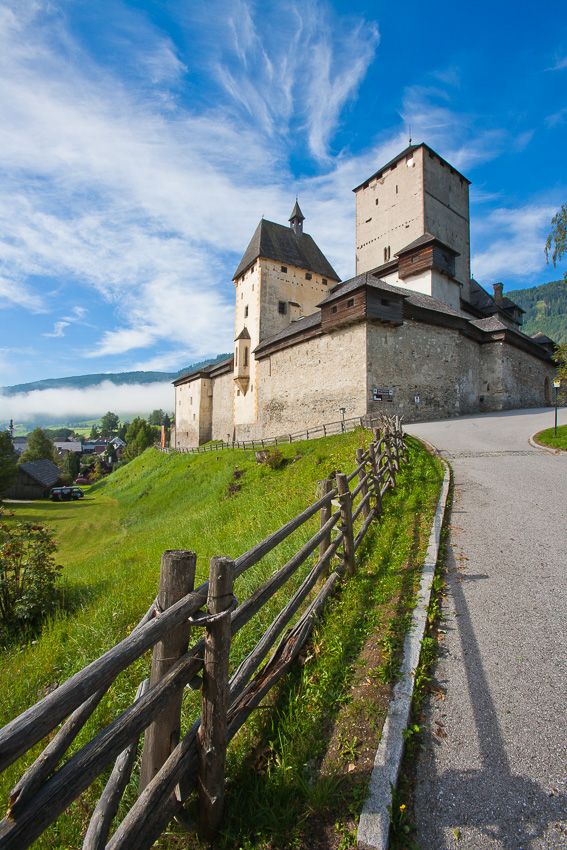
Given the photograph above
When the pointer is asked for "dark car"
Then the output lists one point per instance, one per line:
(65, 494)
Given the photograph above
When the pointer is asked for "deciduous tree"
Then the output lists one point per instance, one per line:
(39, 447)
(556, 245)
(8, 461)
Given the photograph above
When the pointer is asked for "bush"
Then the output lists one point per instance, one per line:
(27, 575)
(274, 459)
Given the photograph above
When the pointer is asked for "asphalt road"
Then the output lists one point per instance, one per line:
(493, 769)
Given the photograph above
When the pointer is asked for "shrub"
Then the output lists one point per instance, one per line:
(274, 459)
(27, 575)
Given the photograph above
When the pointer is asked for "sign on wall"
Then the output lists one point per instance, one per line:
(381, 394)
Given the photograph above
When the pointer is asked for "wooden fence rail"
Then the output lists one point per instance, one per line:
(329, 429)
(172, 768)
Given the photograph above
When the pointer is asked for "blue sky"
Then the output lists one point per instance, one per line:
(141, 142)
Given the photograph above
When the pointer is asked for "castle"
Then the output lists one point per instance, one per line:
(411, 334)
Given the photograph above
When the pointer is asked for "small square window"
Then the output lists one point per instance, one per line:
(282, 308)
(350, 302)
(324, 281)
(334, 309)
(283, 268)
(308, 275)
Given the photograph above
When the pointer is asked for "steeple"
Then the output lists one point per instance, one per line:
(296, 220)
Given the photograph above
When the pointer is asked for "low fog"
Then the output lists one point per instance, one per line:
(65, 403)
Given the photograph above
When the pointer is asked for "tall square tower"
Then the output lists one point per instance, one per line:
(415, 194)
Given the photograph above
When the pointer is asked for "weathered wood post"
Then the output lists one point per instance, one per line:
(211, 742)
(388, 451)
(376, 480)
(325, 487)
(345, 500)
(364, 488)
(177, 579)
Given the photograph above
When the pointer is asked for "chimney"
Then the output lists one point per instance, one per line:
(498, 287)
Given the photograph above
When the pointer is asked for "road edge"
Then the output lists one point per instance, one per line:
(374, 824)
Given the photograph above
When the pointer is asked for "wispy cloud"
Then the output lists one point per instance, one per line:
(58, 329)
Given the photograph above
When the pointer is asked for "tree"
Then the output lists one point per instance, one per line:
(556, 244)
(156, 417)
(109, 424)
(39, 447)
(98, 472)
(8, 461)
(139, 436)
(95, 430)
(71, 465)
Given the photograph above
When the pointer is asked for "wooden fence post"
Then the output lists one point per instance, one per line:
(211, 741)
(177, 579)
(345, 500)
(364, 488)
(388, 450)
(325, 486)
(376, 480)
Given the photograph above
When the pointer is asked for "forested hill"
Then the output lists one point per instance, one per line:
(546, 309)
(82, 381)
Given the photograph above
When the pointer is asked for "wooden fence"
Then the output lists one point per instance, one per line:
(329, 429)
(172, 768)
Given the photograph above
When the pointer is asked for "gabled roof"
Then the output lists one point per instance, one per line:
(365, 279)
(276, 242)
(542, 339)
(244, 334)
(426, 239)
(43, 471)
(409, 150)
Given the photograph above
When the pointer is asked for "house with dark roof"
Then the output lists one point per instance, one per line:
(412, 333)
(35, 480)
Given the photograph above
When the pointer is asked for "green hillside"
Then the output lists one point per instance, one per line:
(82, 381)
(110, 545)
(546, 309)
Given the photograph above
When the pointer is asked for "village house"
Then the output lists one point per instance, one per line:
(411, 334)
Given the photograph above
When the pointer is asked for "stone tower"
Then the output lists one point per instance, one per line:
(282, 276)
(417, 194)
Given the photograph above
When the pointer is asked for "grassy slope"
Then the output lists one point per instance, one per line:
(110, 546)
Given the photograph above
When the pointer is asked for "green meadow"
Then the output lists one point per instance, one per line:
(109, 546)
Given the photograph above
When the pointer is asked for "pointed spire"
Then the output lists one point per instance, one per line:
(296, 220)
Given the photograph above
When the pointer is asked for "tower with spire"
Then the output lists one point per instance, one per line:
(282, 276)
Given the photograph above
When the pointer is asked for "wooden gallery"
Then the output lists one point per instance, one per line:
(411, 334)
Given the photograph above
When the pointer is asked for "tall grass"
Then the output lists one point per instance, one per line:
(110, 546)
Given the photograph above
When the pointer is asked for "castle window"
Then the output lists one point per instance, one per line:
(283, 268)
(236, 357)
(246, 312)
(396, 189)
(334, 309)
(308, 275)
(191, 400)
(282, 308)
(386, 254)
(324, 281)
(384, 302)
(246, 357)
(193, 417)
(376, 202)
(350, 302)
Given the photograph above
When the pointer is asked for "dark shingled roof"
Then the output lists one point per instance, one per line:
(426, 239)
(43, 471)
(542, 339)
(303, 324)
(403, 154)
(244, 334)
(205, 371)
(277, 242)
(296, 213)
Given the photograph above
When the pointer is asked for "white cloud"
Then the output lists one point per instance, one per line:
(58, 329)
(88, 402)
(518, 249)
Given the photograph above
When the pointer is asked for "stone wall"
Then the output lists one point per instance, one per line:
(439, 366)
(523, 379)
(222, 413)
(307, 384)
(187, 403)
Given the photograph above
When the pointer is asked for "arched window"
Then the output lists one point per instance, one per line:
(236, 357)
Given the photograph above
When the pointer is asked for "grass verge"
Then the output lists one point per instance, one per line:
(297, 774)
(548, 438)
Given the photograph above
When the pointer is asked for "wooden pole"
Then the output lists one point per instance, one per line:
(212, 740)
(389, 462)
(325, 487)
(361, 476)
(345, 500)
(177, 579)
(376, 480)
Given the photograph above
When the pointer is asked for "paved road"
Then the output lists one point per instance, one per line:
(493, 771)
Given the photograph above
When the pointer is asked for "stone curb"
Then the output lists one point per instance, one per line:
(374, 825)
(549, 449)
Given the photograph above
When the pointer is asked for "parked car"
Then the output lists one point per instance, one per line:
(81, 480)
(65, 494)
